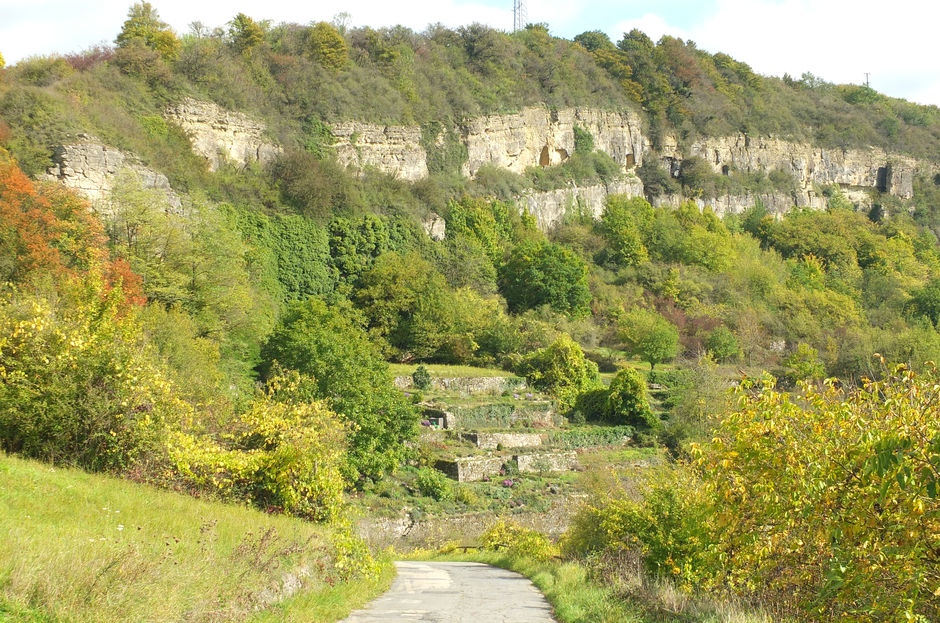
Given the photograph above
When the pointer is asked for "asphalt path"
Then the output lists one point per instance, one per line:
(457, 592)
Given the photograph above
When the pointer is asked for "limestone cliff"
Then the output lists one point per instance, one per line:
(90, 167)
(392, 149)
(539, 136)
(810, 165)
(219, 134)
(550, 208)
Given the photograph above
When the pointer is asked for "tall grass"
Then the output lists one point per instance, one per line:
(81, 547)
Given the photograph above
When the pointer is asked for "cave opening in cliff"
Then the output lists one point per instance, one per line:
(881, 182)
(544, 158)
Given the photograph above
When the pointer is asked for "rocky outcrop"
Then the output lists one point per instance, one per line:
(852, 168)
(774, 203)
(392, 149)
(541, 137)
(219, 135)
(551, 208)
(435, 226)
(91, 167)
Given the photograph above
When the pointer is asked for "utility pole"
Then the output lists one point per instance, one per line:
(866, 79)
(519, 15)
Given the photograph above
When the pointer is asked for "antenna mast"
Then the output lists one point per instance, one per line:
(519, 16)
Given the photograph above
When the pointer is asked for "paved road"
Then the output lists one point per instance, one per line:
(457, 592)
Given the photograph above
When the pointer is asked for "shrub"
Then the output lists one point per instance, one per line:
(627, 401)
(282, 453)
(326, 342)
(421, 378)
(509, 537)
(561, 370)
(434, 484)
(80, 386)
(829, 499)
(542, 273)
(722, 344)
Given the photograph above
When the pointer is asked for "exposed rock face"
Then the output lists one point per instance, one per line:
(90, 167)
(392, 149)
(218, 134)
(435, 227)
(809, 165)
(538, 136)
(551, 207)
(775, 203)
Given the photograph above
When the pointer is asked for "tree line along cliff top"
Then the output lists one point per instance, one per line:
(299, 77)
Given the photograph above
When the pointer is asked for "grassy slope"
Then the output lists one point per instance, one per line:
(79, 546)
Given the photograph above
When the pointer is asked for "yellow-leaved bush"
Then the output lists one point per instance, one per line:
(828, 499)
(507, 536)
(77, 384)
(280, 453)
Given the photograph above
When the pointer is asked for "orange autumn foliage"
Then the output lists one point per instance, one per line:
(46, 229)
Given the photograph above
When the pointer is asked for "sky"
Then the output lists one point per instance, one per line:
(836, 40)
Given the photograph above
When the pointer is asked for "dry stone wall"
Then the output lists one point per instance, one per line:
(491, 441)
(218, 134)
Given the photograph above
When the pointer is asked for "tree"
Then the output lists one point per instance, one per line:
(246, 33)
(404, 300)
(327, 344)
(647, 334)
(562, 370)
(925, 301)
(722, 344)
(541, 273)
(594, 40)
(2, 62)
(628, 402)
(327, 46)
(144, 26)
(621, 224)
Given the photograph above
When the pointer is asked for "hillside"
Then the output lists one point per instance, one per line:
(450, 275)
(82, 547)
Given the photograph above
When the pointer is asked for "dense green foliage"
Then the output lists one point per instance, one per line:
(328, 344)
(238, 345)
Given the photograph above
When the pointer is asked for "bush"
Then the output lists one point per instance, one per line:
(282, 453)
(542, 273)
(561, 370)
(80, 386)
(627, 401)
(326, 342)
(512, 538)
(421, 378)
(722, 344)
(434, 484)
(829, 500)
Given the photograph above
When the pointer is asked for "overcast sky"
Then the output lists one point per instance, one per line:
(838, 40)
